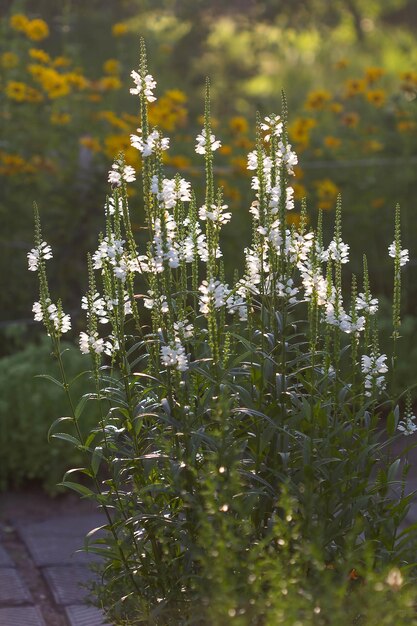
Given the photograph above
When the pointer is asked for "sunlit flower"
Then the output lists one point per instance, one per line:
(42, 252)
(403, 255)
(201, 145)
(146, 85)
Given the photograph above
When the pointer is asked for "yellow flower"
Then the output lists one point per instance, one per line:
(60, 119)
(12, 164)
(327, 193)
(376, 97)
(91, 143)
(179, 161)
(119, 29)
(239, 164)
(39, 55)
(350, 119)
(377, 203)
(61, 62)
(238, 125)
(19, 22)
(111, 66)
(169, 111)
(409, 76)
(107, 83)
(16, 91)
(354, 86)
(299, 131)
(37, 30)
(332, 142)
(33, 95)
(243, 142)
(373, 146)
(9, 60)
(336, 107)
(405, 125)
(300, 191)
(372, 74)
(293, 219)
(76, 80)
(316, 100)
(112, 119)
(341, 64)
(225, 149)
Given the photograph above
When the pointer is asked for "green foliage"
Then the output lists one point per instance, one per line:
(28, 406)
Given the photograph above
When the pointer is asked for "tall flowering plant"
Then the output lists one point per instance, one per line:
(239, 458)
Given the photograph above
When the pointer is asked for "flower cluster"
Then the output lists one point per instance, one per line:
(374, 368)
(41, 252)
(203, 143)
(120, 172)
(150, 144)
(146, 85)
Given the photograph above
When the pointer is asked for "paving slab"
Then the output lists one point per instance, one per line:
(56, 550)
(65, 583)
(12, 588)
(85, 616)
(70, 526)
(5, 560)
(21, 616)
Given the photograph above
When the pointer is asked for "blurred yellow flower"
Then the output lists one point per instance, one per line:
(91, 143)
(293, 219)
(376, 97)
(327, 193)
(12, 164)
(405, 125)
(341, 64)
(33, 95)
(409, 76)
(244, 142)
(8, 60)
(19, 22)
(300, 191)
(169, 111)
(111, 66)
(372, 74)
(76, 80)
(225, 149)
(108, 83)
(239, 164)
(350, 119)
(119, 29)
(39, 55)
(372, 145)
(238, 124)
(112, 119)
(318, 99)
(332, 142)
(336, 107)
(354, 86)
(179, 161)
(37, 30)
(16, 90)
(61, 62)
(60, 119)
(377, 203)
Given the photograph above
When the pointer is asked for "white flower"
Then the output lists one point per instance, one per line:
(98, 307)
(337, 251)
(110, 249)
(407, 425)
(110, 206)
(43, 251)
(146, 84)
(174, 356)
(201, 144)
(91, 343)
(287, 156)
(403, 254)
(37, 310)
(117, 174)
(216, 214)
(374, 368)
(153, 301)
(153, 141)
(369, 305)
(273, 126)
(172, 191)
(183, 329)
(214, 295)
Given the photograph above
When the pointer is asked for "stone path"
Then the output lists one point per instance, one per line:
(41, 574)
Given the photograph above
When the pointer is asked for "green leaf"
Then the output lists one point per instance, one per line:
(51, 379)
(56, 422)
(81, 489)
(67, 437)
